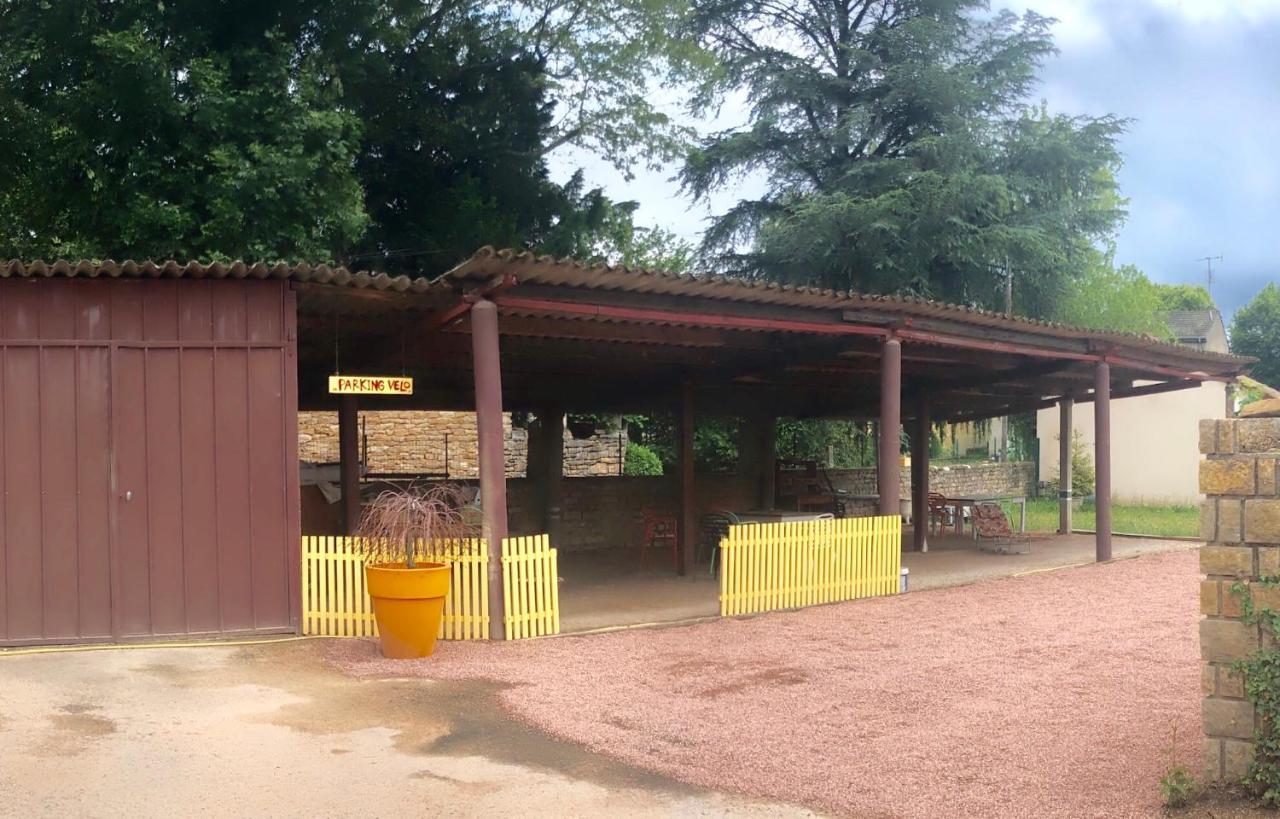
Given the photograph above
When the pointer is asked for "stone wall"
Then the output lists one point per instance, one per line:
(608, 513)
(1240, 522)
(602, 513)
(958, 480)
(415, 442)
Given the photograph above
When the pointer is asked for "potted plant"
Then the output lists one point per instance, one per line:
(401, 530)
(582, 425)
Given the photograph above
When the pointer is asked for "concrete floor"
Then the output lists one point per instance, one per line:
(269, 730)
(609, 589)
(955, 561)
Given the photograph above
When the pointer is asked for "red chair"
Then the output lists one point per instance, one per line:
(659, 529)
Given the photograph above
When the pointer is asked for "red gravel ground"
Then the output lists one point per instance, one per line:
(1047, 695)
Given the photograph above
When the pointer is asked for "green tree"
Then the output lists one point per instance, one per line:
(395, 134)
(1184, 297)
(146, 129)
(603, 60)
(1115, 298)
(899, 151)
(606, 231)
(1255, 331)
(455, 115)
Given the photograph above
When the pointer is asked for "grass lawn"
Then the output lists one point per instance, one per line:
(1165, 521)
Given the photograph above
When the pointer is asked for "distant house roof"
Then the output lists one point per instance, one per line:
(1193, 326)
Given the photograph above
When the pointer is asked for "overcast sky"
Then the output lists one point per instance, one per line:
(1201, 81)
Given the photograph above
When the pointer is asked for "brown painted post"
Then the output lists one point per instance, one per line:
(1065, 434)
(768, 462)
(551, 430)
(349, 461)
(486, 365)
(920, 477)
(688, 505)
(888, 466)
(1102, 459)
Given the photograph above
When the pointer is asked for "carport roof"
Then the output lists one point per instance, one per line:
(600, 337)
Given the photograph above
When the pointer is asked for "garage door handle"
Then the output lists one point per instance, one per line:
(128, 494)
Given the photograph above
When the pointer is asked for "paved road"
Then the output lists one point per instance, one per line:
(270, 731)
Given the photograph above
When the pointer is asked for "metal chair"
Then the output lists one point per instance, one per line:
(941, 512)
(714, 527)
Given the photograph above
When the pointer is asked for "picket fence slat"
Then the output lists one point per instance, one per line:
(766, 567)
(336, 602)
(530, 587)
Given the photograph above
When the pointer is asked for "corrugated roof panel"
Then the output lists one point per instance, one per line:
(530, 268)
(301, 272)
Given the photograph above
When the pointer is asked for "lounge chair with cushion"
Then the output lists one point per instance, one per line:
(991, 528)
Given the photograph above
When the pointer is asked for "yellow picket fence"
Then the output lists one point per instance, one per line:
(771, 566)
(530, 587)
(335, 602)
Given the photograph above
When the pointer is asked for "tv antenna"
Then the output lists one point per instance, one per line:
(1208, 270)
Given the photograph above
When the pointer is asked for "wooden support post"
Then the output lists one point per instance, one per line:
(1066, 434)
(768, 462)
(888, 464)
(551, 432)
(920, 433)
(757, 456)
(1102, 460)
(688, 522)
(349, 461)
(486, 365)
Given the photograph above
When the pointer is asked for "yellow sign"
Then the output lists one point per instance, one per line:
(371, 384)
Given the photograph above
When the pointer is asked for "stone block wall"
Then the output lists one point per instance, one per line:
(1240, 523)
(959, 480)
(608, 513)
(414, 441)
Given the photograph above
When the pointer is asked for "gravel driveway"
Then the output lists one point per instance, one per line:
(1048, 695)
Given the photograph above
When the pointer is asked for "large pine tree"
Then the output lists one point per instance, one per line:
(899, 151)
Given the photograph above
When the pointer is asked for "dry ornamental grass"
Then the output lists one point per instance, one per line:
(418, 520)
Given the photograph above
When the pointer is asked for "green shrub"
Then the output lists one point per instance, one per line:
(1178, 786)
(1082, 475)
(1083, 478)
(1261, 673)
(641, 460)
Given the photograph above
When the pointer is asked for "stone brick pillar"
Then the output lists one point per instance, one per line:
(1240, 523)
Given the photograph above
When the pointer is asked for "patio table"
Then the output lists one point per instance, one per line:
(958, 504)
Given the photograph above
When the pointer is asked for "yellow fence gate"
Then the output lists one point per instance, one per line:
(335, 602)
(766, 567)
(530, 587)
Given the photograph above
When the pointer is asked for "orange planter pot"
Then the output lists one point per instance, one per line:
(407, 603)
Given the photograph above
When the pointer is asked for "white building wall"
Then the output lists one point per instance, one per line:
(1155, 454)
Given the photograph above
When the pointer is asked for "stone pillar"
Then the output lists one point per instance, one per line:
(1240, 523)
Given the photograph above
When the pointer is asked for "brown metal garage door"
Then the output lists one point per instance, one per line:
(148, 437)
